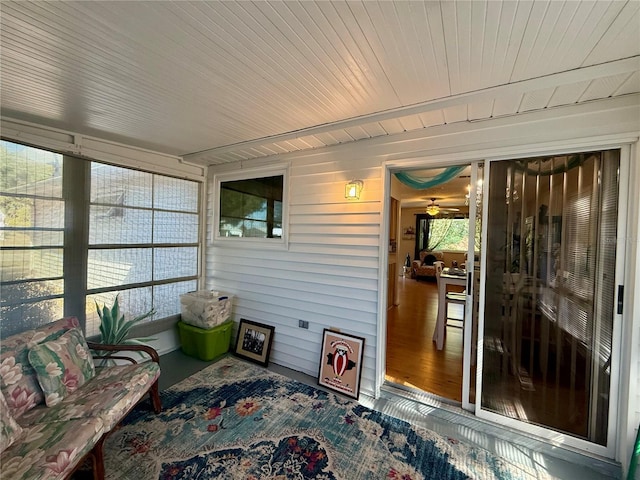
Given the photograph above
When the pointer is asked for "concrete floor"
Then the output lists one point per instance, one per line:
(429, 412)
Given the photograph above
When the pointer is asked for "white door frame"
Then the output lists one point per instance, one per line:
(471, 286)
(622, 142)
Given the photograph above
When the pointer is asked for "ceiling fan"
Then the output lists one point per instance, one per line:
(434, 209)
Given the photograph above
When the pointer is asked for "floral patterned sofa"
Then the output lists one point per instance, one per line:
(57, 404)
(425, 266)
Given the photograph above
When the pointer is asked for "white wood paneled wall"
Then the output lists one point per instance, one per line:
(330, 275)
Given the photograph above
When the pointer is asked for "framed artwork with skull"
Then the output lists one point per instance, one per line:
(341, 362)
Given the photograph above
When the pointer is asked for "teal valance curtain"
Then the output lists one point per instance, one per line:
(424, 183)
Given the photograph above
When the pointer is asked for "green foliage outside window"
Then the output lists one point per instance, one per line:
(16, 173)
(17, 317)
(451, 234)
(17, 176)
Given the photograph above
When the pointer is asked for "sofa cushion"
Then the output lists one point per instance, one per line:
(9, 428)
(50, 450)
(109, 395)
(18, 381)
(62, 365)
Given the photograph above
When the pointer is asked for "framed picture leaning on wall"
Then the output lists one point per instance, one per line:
(254, 341)
(341, 362)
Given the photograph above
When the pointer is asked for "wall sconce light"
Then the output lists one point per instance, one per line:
(433, 208)
(353, 189)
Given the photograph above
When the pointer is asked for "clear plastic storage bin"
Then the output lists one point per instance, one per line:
(205, 308)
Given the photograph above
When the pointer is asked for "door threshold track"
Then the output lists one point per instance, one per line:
(422, 396)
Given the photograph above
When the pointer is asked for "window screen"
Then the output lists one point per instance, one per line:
(143, 236)
(32, 212)
(75, 232)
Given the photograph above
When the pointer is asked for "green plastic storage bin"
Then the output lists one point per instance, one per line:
(205, 344)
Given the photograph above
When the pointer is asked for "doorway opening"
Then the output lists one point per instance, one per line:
(546, 293)
(433, 231)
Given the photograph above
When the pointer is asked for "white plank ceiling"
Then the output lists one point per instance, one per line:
(228, 80)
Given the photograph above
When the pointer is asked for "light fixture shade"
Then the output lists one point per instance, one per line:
(352, 189)
(433, 209)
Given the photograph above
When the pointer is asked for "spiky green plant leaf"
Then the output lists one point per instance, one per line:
(106, 325)
(114, 328)
(115, 309)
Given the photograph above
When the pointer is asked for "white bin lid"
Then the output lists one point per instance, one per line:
(205, 295)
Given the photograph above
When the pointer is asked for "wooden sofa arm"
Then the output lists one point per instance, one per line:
(154, 392)
(97, 453)
(124, 348)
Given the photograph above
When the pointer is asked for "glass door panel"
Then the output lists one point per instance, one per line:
(549, 291)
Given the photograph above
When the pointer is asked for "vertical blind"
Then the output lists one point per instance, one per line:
(550, 291)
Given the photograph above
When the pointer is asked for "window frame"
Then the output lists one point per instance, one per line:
(75, 290)
(150, 324)
(252, 174)
(47, 282)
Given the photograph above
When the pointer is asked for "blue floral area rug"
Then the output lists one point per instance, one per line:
(236, 420)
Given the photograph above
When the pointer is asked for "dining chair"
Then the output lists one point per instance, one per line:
(450, 297)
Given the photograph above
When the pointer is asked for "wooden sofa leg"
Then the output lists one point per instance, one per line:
(97, 455)
(155, 397)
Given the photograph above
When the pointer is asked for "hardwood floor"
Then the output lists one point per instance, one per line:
(412, 357)
(413, 361)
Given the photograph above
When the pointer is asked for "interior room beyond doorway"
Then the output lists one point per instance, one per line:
(432, 220)
(413, 361)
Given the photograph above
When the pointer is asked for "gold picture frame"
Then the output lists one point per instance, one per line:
(254, 341)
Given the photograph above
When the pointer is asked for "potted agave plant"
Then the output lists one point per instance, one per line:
(114, 328)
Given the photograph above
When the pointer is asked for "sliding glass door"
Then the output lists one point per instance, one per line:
(549, 292)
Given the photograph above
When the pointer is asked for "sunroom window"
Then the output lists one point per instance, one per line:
(77, 232)
(32, 213)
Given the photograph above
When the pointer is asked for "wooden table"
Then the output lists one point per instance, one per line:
(446, 279)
